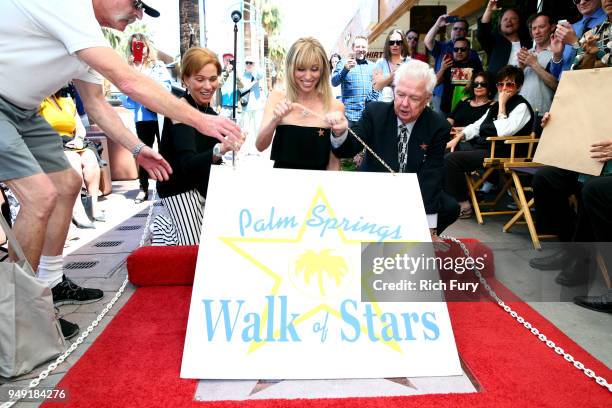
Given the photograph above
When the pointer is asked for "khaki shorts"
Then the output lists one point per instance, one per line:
(28, 144)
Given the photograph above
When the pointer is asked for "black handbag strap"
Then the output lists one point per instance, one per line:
(10, 236)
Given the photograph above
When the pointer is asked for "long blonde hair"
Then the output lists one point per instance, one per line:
(304, 53)
(151, 54)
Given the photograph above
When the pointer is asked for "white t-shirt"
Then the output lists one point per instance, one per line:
(38, 42)
(513, 59)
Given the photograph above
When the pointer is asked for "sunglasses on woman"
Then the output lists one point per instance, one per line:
(480, 84)
(395, 42)
(507, 84)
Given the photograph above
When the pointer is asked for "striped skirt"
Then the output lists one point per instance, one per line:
(183, 224)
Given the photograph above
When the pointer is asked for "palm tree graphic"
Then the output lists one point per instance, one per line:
(311, 263)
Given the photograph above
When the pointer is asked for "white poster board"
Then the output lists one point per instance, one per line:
(276, 293)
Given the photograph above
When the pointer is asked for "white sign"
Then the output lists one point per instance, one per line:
(276, 293)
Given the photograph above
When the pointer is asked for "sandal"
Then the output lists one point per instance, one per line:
(465, 213)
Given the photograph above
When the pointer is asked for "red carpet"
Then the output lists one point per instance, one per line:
(136, 361)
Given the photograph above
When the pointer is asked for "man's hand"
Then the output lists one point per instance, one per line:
(556, 46)
(337, 121)
(545, 119)
(441, 21)
(565, 32)
(350, 64)
(220, 128)
(602, 151)
(447, 62)
(154, 164)
(525, 58)
(492, 5)
(590, 44)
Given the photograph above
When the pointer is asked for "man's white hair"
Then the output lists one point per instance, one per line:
(418, 70)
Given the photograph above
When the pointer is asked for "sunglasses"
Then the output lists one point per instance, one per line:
(249, 63)
(479, 84)
(410, 37)
(395, 42)
(460, 49)
(577, 2)
(509, 85)
(138, 4)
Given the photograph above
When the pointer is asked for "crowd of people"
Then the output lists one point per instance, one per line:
(428, 114)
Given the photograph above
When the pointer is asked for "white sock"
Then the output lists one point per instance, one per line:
(50, 270)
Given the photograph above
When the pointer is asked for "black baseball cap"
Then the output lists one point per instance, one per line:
(146, 8)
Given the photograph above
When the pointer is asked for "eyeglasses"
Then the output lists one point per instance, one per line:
(507, 84)
(138, 4)
(395, 42)
(249, 62)
(479, 84)
(410, 37)
(460, 49)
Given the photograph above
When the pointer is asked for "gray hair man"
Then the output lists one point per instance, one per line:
(408, 136)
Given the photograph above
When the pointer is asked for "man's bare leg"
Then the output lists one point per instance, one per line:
(37, 197)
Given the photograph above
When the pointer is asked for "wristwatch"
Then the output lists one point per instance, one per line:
(217, 150)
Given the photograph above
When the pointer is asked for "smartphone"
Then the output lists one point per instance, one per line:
(452, 19)
(137, 47)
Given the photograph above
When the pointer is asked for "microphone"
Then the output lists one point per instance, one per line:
(236, 16)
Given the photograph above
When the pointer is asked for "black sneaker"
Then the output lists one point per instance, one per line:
(69, 330)
(69, 293)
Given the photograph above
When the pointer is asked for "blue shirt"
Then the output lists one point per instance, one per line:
(440, 49)
(598, 17)
(160, 75)
(356, 85)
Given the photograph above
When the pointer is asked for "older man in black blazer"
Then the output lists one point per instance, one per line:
(408, 136)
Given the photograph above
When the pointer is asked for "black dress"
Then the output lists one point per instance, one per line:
(189, 153)
(465, 114)
(301, 147)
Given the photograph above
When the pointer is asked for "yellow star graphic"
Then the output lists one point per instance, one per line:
(277, 279)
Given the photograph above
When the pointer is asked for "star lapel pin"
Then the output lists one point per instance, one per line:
(321, 132)
(424, 146)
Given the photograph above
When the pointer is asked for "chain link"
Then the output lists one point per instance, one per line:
(51, 367)
(541, 336)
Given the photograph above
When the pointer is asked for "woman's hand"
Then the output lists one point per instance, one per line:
(337, 122)
(452, 144)
(602, 151)
(281, 110)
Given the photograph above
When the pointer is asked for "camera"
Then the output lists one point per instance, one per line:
(452, 19)
(232, 62)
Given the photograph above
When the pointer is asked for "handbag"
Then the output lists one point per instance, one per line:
(30, 333)
(244, 98)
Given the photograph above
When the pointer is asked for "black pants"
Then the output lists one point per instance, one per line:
(448, 212)
(147, 131)
(552, 188)
(597, 204)
(456, 164)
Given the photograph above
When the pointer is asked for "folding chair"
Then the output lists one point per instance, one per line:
(517, 167)
(495, 162)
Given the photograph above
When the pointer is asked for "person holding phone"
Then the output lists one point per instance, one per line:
(354, 75)
(438, 49)
(565, 44)
(142, 56)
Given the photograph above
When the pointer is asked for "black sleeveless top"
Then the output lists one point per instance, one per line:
(301, 147)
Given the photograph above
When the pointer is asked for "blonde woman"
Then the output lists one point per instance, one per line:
(294, 120)
(142, 57)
